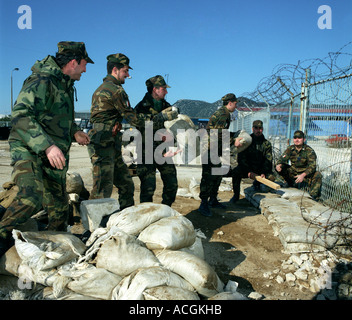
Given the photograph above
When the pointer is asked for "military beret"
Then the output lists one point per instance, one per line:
(119, 58)
(298, 134)
(229, 97)
(258, 123)
(74, 48)
(157, 81)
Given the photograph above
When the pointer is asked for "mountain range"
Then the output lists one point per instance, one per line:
(203, 110)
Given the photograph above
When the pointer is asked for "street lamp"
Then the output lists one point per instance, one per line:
(16, 69)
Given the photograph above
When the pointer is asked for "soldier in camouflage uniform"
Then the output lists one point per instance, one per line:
(302, 171)
(43, 128)
(210, 183)
(256, 160)
(154, 103)
(110, 105)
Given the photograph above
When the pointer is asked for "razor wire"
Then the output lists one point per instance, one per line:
(314, 96)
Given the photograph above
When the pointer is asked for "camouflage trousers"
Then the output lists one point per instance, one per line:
(240, 173)
(312, 182)
(147, 176)
(210, 183)
(40, 187)
(109, 169)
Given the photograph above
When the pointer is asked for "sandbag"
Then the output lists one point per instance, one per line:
(196, 248)
(169, 293)
(44, 250)
(246, 141)
(169, 233)
(74, 182)
(132, 286)
(122, 254)
(228, 296)
(185, 133)
(133, 220)
(93, 282)
(10, 262)
(195, 270)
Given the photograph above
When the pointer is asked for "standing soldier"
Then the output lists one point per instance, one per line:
(110, 104)
(302, 171)
(43, 128)
(256, 160)
(210, 183)
(154, 103)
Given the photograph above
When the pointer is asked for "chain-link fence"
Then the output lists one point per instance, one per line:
(323, 110)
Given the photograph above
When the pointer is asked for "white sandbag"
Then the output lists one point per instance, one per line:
(123, 254)
(133, 220)
(74, 182)
(246, 140)
(185, 133)
(49, 278)
(10, 262)
(195, 270)
(66, 294)
(132, 287)
(169, 233)
(196, 248)
(169, 293)
(194, 188)
(93, 282)
(44, 250)
(228, 296)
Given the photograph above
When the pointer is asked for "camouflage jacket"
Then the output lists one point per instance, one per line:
(304, 160)
(146, 106)
(258, 157)
(219, 120)
(43, 114)
(110, 104)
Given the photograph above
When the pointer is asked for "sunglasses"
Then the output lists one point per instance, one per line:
(297, 137)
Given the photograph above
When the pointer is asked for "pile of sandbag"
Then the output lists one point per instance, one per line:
(149, 251)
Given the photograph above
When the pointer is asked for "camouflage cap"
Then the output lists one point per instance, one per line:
(74, 48)
(229, 97)
(298, 134)
(119, 58)
(258, 123)
(157, 81)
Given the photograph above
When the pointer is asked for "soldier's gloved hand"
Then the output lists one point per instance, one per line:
(169, 114)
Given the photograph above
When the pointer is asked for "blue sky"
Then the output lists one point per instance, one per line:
(206, 48)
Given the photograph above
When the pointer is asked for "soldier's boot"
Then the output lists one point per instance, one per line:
(204, 209)
(214, 203)
(234, 199)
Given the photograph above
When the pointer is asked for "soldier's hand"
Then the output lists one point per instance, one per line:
(300, 177)
(171, 154)
(82, 138)
(170, 113)
(56, 157)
